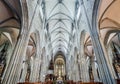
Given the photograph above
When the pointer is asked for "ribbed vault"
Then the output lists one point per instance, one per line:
(81, 36)
(60, 16)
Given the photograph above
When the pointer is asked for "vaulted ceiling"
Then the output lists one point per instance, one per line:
(10, 20)
(60, 22)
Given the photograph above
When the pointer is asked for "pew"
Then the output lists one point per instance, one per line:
(91, 83)
(67, 82)
(29, 83)
(79, 82)
(49, 82)
(118, 81)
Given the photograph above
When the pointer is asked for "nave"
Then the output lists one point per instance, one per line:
(59, 41)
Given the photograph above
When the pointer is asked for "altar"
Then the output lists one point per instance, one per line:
(59, 82)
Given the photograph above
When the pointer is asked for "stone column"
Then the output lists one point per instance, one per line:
(14, 67)
(108, 58)
(94, 70)
(34, 77)
(70, 70)
(43, 68)
(23, 72)
(32, 68)
(104, 71)
(12, 73)
(84, 71)
(77, 78)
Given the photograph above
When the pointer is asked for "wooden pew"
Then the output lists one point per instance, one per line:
(70, 82)
(118, 81)
(29, 83)
(91, 83)
(67, 82)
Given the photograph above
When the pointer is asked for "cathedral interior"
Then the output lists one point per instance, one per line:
(59, 41)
